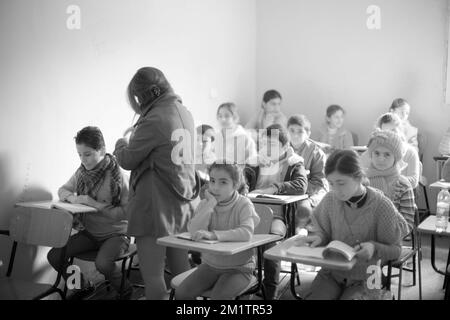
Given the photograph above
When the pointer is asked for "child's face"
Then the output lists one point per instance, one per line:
(89, 157)
(343, 186)
(298, 134)
(220, 185)
(403, 112)
(226, 119)
(204, 141)
(271, 148)
(382, 158)
(336, 120)
(272, 106)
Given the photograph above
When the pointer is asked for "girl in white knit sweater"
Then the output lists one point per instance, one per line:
(224, 215)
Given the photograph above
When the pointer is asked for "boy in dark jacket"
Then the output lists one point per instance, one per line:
(280, 171)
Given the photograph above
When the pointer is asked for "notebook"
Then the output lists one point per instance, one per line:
(73, 207)
(335, 250)
(187, 236)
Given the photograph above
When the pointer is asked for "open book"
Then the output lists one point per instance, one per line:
(335, 250)
(187, 236)
(73, 207)
(268, 196)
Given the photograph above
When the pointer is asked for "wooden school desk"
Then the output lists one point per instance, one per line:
(224, 248)
(287, 203)
(49, 204)
(428, 226)
(279, 252)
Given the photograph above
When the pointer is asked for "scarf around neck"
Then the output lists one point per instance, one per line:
(90, 181)
(374, 172)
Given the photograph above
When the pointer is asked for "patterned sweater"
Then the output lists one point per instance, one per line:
(377, 221)
(314, 161)
(234, 220)
(108, 222)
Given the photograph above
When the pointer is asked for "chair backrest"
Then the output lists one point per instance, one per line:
(265, 214)
(44, 227)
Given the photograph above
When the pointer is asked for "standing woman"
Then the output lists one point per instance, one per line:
(160, 189)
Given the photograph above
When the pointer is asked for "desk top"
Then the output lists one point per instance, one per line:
(221, 248)
(441, 184)
(280, 199)
(441, 157)
(279, 252)
(428, 226)
(49, 204)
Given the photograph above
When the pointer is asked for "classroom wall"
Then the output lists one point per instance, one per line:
(54, 81)
(317, 53)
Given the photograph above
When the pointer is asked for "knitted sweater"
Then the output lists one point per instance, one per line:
(403, 201)
(234, 220)
(412, 169)
(377, 221)
(314, 160)
(109, 221)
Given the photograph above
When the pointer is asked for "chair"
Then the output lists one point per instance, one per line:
(126, 256)
(266, 215)
(408, 252)
(37, 227)
(423, 212)
(355, 138)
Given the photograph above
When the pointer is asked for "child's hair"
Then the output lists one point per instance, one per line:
(91, 137)
(388, 118)
(398, 103)
(271, 94)
(300, 120)
(346, 162)
(234, 170)
(231, 107)
(333, 109)
(146, 85)
(202, 129)
(276, 128)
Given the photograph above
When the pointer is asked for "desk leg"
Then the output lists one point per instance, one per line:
(290, 218)
(419, 261)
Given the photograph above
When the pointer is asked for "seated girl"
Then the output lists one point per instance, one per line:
(223, 215)
(358, 215)
(386, 149)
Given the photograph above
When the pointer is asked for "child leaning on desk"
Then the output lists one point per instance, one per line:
(359, 216)
(100, 183)
(280, 171)
(223, 215)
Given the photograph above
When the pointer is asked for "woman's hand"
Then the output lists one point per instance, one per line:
(365, 250)
(308, 241)
(203, 234)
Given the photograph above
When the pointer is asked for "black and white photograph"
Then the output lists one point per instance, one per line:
(254, 152)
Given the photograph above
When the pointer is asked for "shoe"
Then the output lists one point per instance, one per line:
(79, 294)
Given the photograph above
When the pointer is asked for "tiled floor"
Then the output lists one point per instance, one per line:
(431, 281)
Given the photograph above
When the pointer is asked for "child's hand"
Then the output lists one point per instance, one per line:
(270, 190)
(401, 185)
(203, 234)
(84, 199)
(308, 241)
(365, 250)
(212, 201)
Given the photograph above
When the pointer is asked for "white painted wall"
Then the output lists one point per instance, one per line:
(317, 53)
(54, 81)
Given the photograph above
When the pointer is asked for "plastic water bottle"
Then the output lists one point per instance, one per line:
(442, 209)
